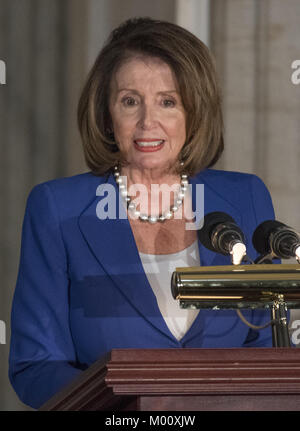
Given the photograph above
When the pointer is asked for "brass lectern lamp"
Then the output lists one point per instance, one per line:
(259, 284)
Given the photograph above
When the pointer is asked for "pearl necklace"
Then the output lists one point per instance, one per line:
(144, 217)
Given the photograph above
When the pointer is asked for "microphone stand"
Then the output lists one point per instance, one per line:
(280, 329)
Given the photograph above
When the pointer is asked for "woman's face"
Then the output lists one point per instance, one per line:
(148, 118)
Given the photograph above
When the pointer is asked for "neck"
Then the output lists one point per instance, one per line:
(155, 192)
(148, 177)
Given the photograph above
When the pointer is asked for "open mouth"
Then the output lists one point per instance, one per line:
(149, 145)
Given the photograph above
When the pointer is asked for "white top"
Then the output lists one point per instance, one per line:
(159, 269)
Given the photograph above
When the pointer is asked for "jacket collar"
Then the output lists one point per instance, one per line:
(113, 245)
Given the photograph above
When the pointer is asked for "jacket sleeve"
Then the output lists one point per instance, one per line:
(262, 208)
(42, 355)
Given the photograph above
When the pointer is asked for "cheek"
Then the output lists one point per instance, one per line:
(123, 132)
(177, 129)
(122, 127)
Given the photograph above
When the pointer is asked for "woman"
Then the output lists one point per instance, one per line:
(150, 114)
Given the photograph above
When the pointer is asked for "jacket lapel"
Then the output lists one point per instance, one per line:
(112, 243)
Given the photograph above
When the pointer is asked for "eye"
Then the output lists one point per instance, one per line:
(128, 101)
(168, 103)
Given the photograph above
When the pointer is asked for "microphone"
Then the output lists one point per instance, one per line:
(221, 234)
(274, 239)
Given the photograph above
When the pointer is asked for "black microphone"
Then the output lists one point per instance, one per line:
(221, 234)
(277, 240)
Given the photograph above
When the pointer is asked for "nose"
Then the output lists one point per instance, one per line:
(147, 118)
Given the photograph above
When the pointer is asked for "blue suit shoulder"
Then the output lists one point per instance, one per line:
(232, 178)
(80, 183)
(70, 194)
(238, 188)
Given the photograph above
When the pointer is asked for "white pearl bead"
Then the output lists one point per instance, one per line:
(152, 219)
(168, 215)
(131, 206)
(144, 217)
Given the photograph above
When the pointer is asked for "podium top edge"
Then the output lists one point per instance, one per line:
(270, 268)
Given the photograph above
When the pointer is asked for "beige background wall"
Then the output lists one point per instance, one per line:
(48, 46)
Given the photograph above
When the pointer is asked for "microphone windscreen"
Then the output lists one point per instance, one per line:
(210, 221)
(261, 235)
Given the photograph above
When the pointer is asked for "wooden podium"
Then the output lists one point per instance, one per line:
(186, 380)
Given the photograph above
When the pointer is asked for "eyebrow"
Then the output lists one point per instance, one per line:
(135, 91)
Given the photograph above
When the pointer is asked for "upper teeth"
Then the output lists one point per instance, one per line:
(149, 144)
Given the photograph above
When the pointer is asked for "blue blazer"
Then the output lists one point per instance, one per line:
(82, 291)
